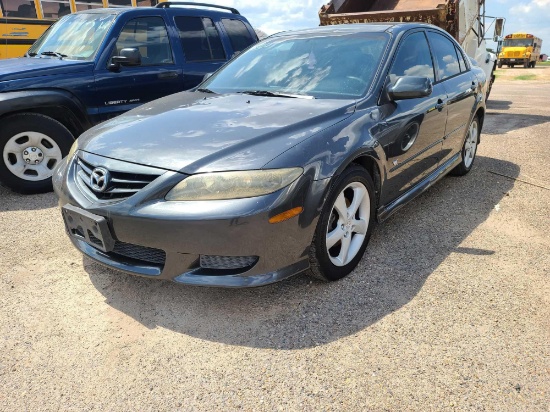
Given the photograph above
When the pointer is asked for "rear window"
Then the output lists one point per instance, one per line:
(238, 34)
(199, 38)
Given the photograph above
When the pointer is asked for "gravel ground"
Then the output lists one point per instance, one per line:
(448, 310)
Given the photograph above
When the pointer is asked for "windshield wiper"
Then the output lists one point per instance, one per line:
(276, 94)
(52, 53)
(206, 91)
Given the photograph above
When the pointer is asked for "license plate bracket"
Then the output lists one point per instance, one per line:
(512, 60)
(90, 228)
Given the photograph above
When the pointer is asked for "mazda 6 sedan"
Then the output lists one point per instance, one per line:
(279, 163)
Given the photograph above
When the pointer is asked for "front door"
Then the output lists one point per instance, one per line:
(413, 130)
(127, 87)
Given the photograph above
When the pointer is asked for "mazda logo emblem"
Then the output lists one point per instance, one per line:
(99, 179)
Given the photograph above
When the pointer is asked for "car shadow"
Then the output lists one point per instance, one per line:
(500, 123)
(11, 201)
(498, 105)
(301, 313)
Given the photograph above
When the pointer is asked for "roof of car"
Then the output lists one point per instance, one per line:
(356, 28)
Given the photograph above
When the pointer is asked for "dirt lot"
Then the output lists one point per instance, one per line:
(448, 310)
(540, 73)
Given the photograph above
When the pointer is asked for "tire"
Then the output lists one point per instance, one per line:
(330, 264)
(533, 64)
(499, 65)
(526, 65)
(469, 149)
(31, 145)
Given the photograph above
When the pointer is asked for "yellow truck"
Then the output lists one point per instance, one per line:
(521, 49)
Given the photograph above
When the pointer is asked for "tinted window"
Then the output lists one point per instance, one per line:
(148, 35)
(413, 58)
(238, 34)
(200, 39)
(146, 3)
(88, 4)
(120, 3)
(445, 55)
(461, 61)
(18, 8)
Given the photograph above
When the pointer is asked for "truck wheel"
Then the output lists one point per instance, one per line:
(31, 145)
(526, 65)
(499, 65)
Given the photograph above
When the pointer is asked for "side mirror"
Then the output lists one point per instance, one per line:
(499, 28)
(128, 57)
(410, 87)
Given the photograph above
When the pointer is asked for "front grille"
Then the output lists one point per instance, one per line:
(516, 54)
(227, 262)
(121, 185)
(142, 253)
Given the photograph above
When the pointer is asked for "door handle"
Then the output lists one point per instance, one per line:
(440, 104)
(168, 75)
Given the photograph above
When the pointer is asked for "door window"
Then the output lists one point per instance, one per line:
(413, 58)
(18, 8)
(238, 34)
(445, 55)
(149, 36)
(461, 61)
(200, 39)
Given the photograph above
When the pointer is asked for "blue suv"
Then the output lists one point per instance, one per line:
(94, 65)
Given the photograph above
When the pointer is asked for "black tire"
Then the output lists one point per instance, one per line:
(464, 167)
(13, 125)
(526, 65)
(534, 64)
(499, 65)
(321, 266)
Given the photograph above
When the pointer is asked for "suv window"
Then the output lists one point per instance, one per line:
(149, 36)
(200, 39)
(238, 34)
(413, 58)
(445, 55)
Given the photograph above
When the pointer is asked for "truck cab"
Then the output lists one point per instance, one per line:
(93, 65)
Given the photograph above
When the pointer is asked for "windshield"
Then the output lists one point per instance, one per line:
(327, 66)
(76, 36)
(518, 43)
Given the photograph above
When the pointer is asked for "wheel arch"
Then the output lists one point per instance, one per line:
(58, 105)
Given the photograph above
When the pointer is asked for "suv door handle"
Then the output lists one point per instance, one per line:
(440, 104)
(168, 75)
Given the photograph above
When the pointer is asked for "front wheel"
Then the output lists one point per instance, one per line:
(31, 145)
(344, 227)
(469, 149)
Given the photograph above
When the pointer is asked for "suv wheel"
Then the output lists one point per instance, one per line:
(31, 146)
(344, 227)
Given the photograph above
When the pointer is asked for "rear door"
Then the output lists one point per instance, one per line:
(202, 47)
(460, 84)
(157, 75)
(412, 133)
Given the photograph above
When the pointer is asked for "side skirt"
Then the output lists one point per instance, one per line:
(384, 212)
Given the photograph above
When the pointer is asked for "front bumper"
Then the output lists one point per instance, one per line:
(186, 230)
(514, 60)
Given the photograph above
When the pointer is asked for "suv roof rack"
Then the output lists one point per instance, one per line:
(167, 4)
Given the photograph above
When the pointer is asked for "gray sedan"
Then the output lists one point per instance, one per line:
(281, 162)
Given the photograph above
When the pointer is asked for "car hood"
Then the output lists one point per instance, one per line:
(24, 68)
(193, 132)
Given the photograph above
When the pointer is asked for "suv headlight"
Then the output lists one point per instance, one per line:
(233, 185)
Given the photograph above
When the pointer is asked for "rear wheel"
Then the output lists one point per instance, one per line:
(344, 227)
(526, 65)
(469, 149)
(31, 145)
(499, 65)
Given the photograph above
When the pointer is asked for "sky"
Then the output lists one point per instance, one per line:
(272, 16)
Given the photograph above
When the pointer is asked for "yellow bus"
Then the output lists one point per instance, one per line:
(521, 49)
(24, 21)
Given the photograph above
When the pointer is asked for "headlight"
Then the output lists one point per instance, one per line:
(73, 150)
(233, 185)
